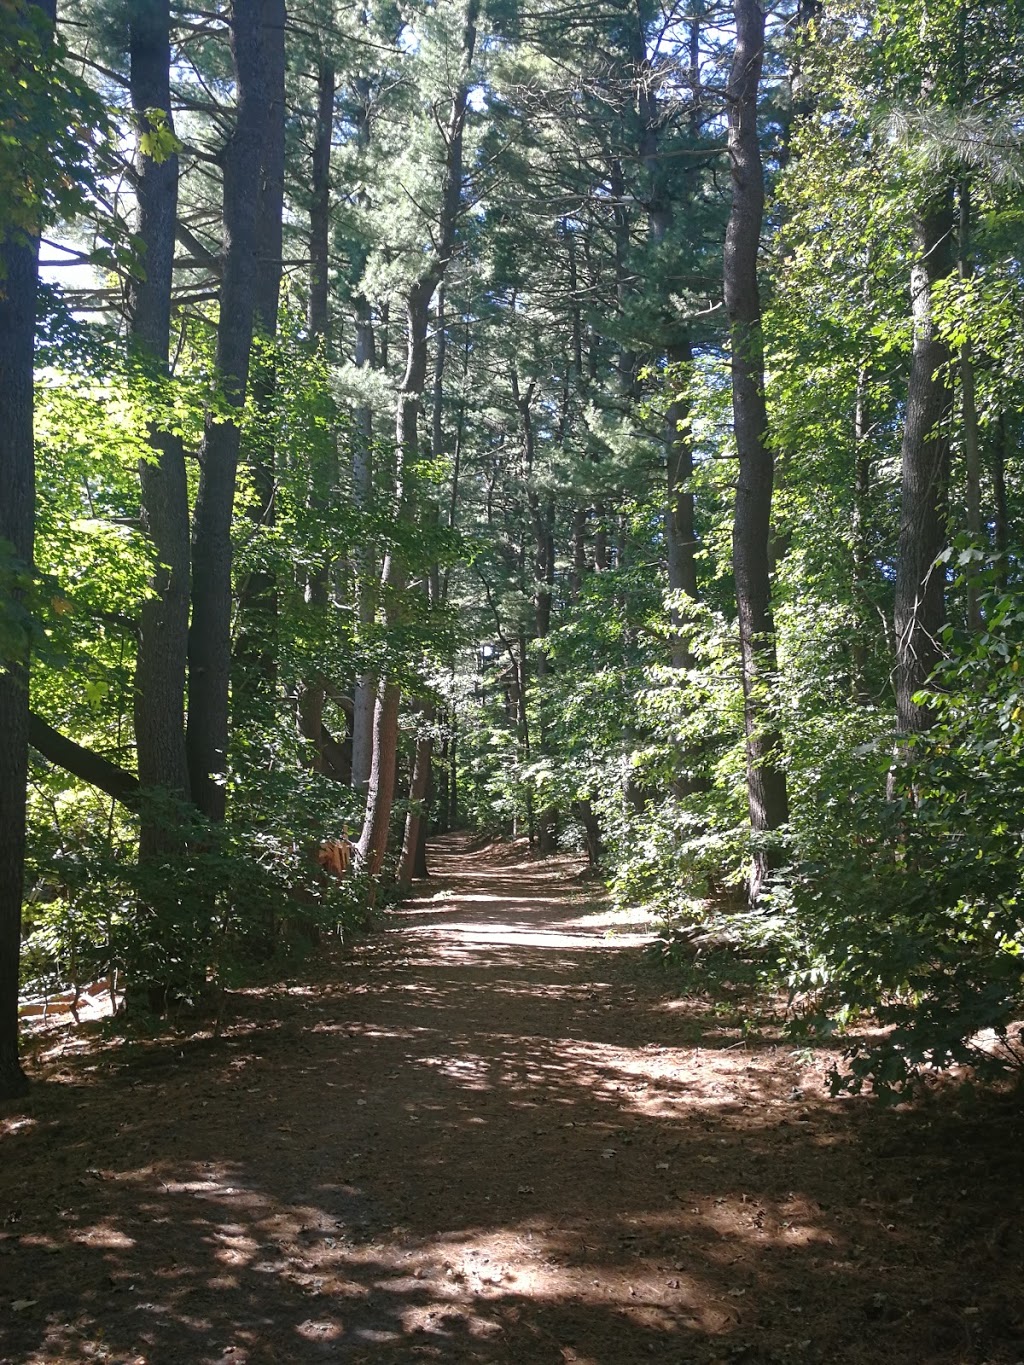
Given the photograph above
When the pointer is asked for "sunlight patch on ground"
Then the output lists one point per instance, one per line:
(486, 934)
(19, 1123)
(322, 1330)
(103, 1235)
(356, 1028)
(504, 907)
(634, 916)
(470, 1072)
(468, 1272)
(471, 1274)
(653, 1081)
(441, 904)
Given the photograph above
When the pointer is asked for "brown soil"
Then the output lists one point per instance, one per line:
(491, 1134)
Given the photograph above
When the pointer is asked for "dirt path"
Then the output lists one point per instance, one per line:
(488, 1135)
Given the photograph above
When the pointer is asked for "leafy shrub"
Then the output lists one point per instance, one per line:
(219, 905)
(909, 905)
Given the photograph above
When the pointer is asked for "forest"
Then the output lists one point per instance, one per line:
(597, 423)
(511, 681)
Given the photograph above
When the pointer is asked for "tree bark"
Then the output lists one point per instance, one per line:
(453, 779)
(415, 820)
(364, 556)
(665, 196)
(163, 636)
(460, 428)
(84, 763)
(19, 256)
(210, 633)
(543, 569)
(584, 813)
(331, 756)
(969, 403)
(254, 670)
(920, 586)
(312, 692)
(600, 538)
(680, 535)
(1000, 523)
(413, 861)
(318, 314)
(766, 782)
(367, 356)
(270, 205)
(380, 793)
(861, 552)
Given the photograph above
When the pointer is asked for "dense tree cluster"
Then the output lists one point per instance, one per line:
(598, 422)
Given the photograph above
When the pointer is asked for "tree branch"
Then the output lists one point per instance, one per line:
(199, 250)
(99, 772)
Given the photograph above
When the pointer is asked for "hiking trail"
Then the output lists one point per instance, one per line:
(492, 1133)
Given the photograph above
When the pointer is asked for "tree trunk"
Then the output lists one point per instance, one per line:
(680, 536)
(543, 567)
(364, 555)
(210, 633)
(666, 195)
(600, 538)
(972, 440)
(579, 552)
(270, 207)
(311, 693)
(584, 813)
(460, 427)
(83, 763)
(861, 551)
(364, 560)
(163, 636)
(254, 672)
(19, 259)
(415, 820)
(381, 789)
(766, 782)
(380, 793)
(453, 781)
(1001, 525)
(548, 825)
(413, 862)
(331, 757)
(920, 595)
(437, 441)
(420, 870)
(318, 313)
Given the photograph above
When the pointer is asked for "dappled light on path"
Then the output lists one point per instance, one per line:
(484, 1136)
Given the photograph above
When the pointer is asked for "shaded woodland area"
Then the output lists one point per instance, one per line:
(598, 424)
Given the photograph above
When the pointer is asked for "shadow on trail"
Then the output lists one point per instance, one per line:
(470, 1147)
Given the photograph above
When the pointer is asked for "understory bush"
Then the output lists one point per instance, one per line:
(909, 901)
(219, 905)
(899, 891)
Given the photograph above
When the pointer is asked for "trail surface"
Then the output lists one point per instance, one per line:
(490, 1135)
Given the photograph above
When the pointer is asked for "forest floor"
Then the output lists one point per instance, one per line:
(492, 1133)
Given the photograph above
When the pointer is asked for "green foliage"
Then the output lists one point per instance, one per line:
(52, 129)
(570, 686)
(157, 139)
(931, 879)
(222, 904)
